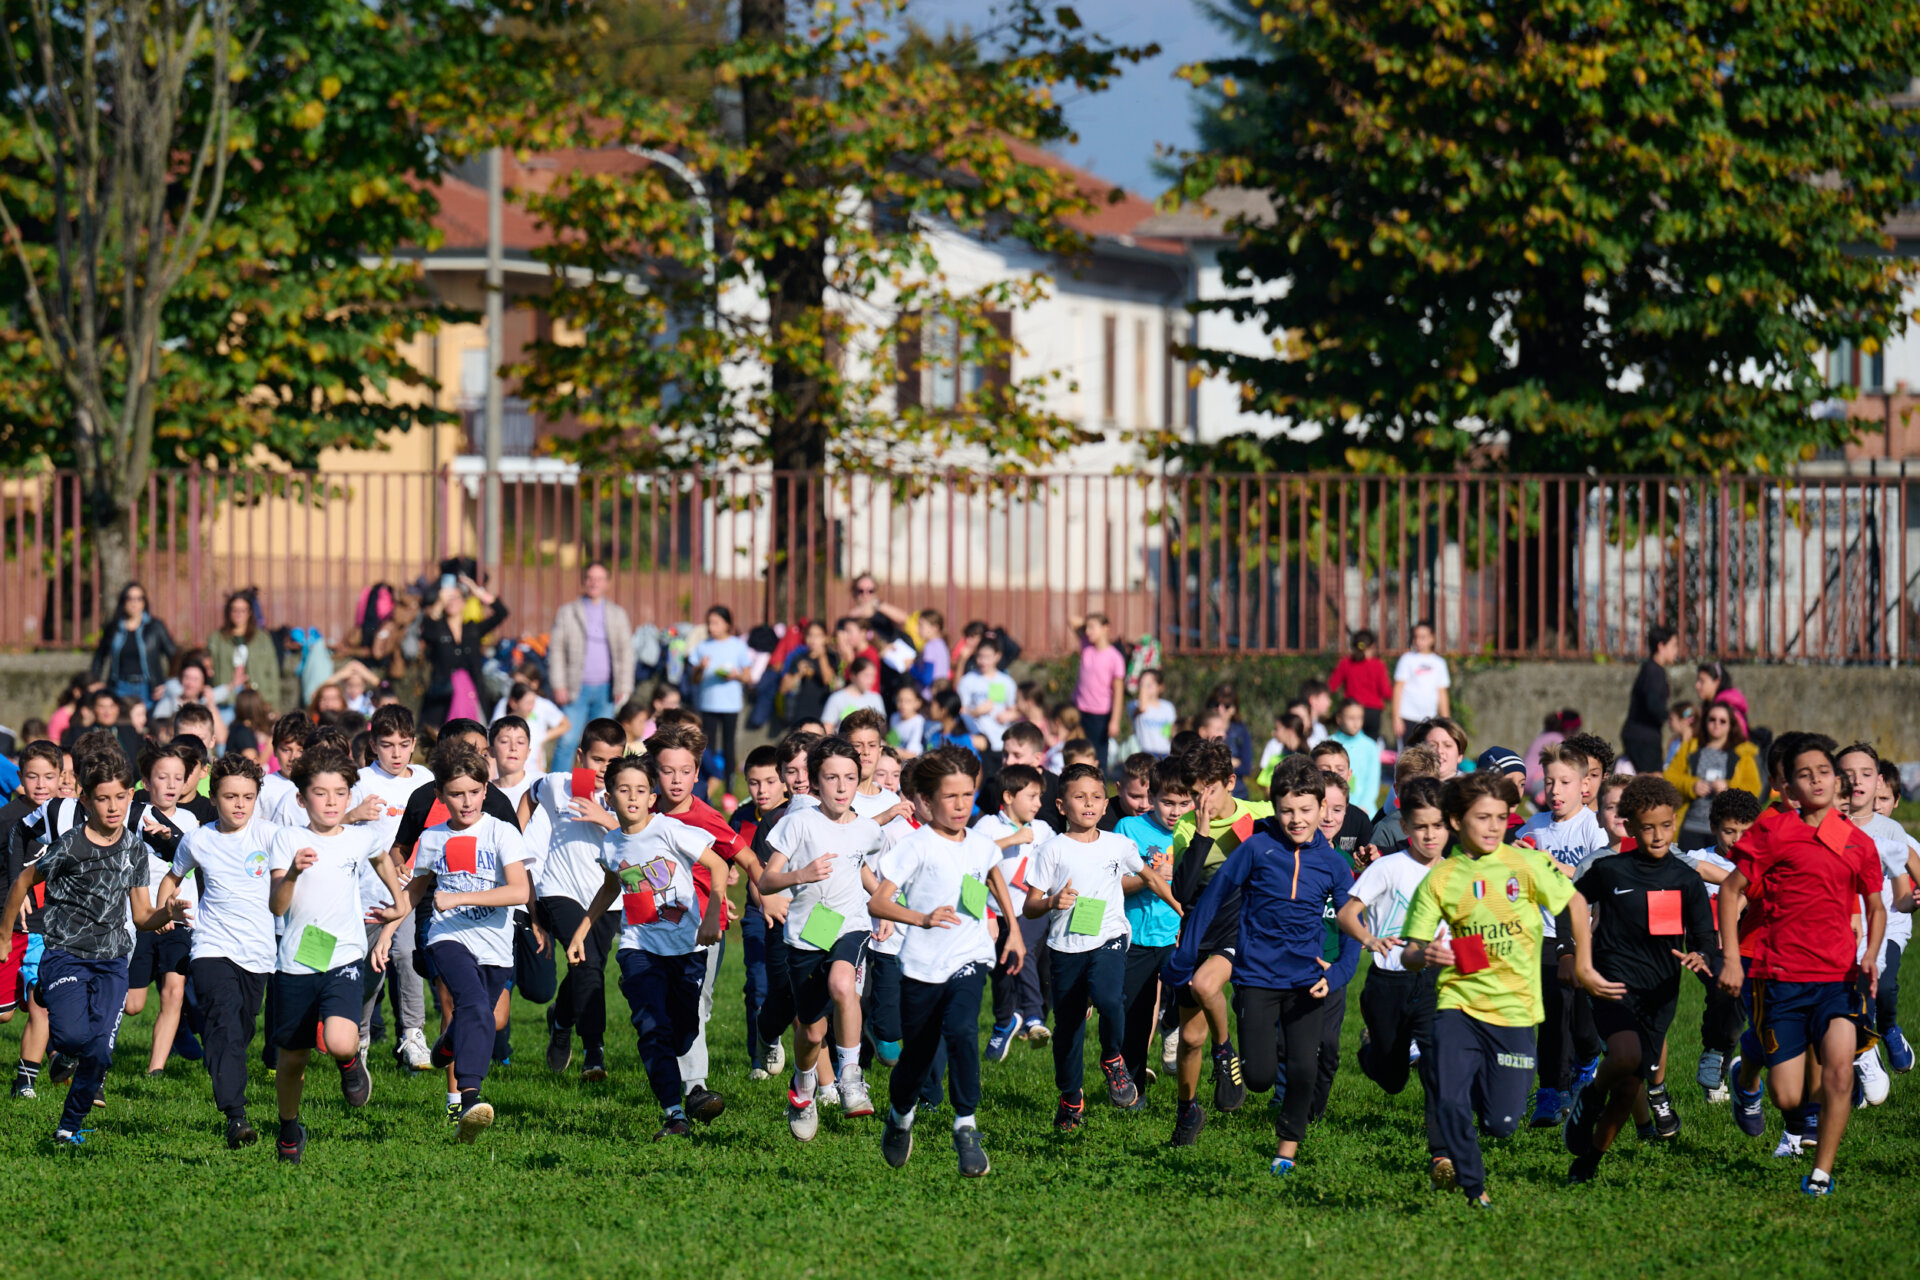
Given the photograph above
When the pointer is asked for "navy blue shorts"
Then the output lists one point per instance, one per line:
(302, 1002)
(1792, 1017)
(157, 954)
(807, 972)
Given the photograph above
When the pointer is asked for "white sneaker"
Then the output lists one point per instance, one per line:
(1789, 1147)
(1873, 1076)
(803, 1118)
(1170, 1051)
(776, 1057)
(414, 1052)
(854, 1098)
(759, 1073)
(828, 1095)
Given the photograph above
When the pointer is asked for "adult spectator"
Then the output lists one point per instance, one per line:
(1713, 682)
(453, 647)
(135, 649)
(241, 654)
(1719, 759)
(722, 664)
(590, 661)
(885, 620)
(1647, 704)
(193, 683)
(811, 674)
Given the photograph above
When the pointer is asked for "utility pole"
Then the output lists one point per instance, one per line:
(496, 356)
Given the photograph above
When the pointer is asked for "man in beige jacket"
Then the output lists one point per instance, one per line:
(590, 660)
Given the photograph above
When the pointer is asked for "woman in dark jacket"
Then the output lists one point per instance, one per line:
(135, 651)
(454, 645)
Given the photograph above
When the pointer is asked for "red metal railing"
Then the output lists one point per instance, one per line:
(1811, 569)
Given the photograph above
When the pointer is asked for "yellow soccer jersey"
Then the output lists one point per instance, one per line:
(1497, 899)
(1227, 835)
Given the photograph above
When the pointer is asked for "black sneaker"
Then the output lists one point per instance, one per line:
(704, 1105)
(896, 1142)
(1070, 1116)
(290, 1152)
(1577, 1134)
(356, 1082)
(1121, 1090)
(1666, 1120)
(1583, 1169)
(60, 1068)
(1188, 1121)
(1648, 1132)
(1229, 1088)
(673, 1127)
(595, 1069)
(559, 1046)
(453, 1111)
(441, 1055)
(973, 1156)
(240, 1134)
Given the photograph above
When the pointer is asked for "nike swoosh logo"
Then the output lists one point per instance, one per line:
(1623, 891)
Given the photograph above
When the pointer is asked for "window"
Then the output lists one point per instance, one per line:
(1848, 366)
(939, 369)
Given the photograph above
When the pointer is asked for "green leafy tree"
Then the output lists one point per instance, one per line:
(1561, 235)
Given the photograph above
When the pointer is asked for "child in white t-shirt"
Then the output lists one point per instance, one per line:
(1017, 829)
(162, 957)
(510, 745)
(907, 729)
(867, 732)
(1421, 683)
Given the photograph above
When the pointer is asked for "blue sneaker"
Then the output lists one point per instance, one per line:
(1824, 1187)
(1899, 1052)
(888, 1051)
(1585, 1075)
(71, 1137)
(1747, 1111)
(1280, 1167)
(1548, 1112)
(1000, 1043)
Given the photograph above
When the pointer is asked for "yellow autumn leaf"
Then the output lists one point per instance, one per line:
(330, 88)
(310, 115)
(1713, 284)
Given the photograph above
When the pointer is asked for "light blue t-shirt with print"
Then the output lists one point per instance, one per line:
(1154, 923)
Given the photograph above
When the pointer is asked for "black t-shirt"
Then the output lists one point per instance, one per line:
(1632, 894)
(1647, 705)
(12, 814)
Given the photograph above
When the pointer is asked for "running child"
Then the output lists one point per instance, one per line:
(1860, 779)
(510, 744)
(39, 767)
(1153, 924)
(882, 1005)
(821, 854)
(316, 873)
(1721, 1019)
(935, 883)
(1644, 903)
(1077, 883)
(1020, 1000)
(162, 956)
(48, 790)
(233, 948)
(1489, 895)
(867, 731)
(1899, 1052)
(766, 798)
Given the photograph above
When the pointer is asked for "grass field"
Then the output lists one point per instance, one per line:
(568, 1183)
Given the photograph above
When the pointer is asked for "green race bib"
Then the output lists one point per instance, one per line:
(316, 948)
(1088, 915)
(973, 897)
(823, 928)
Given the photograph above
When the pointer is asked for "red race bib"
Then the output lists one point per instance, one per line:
(1470, 953)
(462, 854)
(584, 783)
(437, 813)
(1663, 912)
(1019, 880)
(639, 908)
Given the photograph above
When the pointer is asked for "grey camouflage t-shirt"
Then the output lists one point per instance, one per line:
(86, 912)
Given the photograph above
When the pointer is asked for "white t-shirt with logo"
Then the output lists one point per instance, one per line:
(1095, 868)
(1423, 676)
(326, 896)
(234, 920)
(655, 867)
(571, 867)
(1386, 887)
(1573, 844)
(473, 860)
(927, 869)
(808, 834)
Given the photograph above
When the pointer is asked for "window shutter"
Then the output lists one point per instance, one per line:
(999, 370)
(907, 362)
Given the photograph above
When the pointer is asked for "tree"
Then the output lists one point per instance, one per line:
(200, 241)
(1552, 236)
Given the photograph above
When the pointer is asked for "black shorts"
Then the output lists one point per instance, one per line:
(807, 972)
(1183, 995)
(157, 954)
(1647, 1014)
(303, 1001)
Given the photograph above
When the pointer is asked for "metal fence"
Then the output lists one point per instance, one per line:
(1761, 568)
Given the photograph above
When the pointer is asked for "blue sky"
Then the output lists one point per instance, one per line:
(1118, 129)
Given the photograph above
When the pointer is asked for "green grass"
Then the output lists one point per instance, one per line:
(568, 1183)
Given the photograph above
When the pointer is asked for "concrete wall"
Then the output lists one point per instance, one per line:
(1504, 704)
(30, 683)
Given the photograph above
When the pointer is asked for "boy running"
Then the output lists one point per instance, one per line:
(1155, 924)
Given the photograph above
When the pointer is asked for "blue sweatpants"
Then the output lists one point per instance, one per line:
(84, 999)
(664, 994)
(475, 989)
(1482, 1071)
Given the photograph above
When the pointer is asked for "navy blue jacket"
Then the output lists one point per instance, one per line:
(1284, 893)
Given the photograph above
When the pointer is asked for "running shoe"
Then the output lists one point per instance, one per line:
(1440, 1175)
(1188, 1120)
(595, 1069)
(1584, 1077)
(1871, 1077)
(158, 1073)
(473, 1121)
(240, 1133)
(1666, 1120)
(1747, 1107)
(1229, 1087)
(1648, 1132)
(855, 1099)
(1413, 1053)
(1824, 1187)
(23, 1091)
(356, 1082)
(412, 1052)
(1036, 1033)
(828, 1095)
(1548, 1109)
(803, 1118)
(559, 1046)
(453, 1111)
(290, 1152)
(1482, 1201)
(1121, 1090)
(1170, 1051)
(1899, 1052)
(973, 1156)
(704, 1105)
(888, 1051)
(1069, 1117)
(1581, 1119)
(776, 1058)
(71, 1138)
(1281, 1166)
(1583, 1169)
(1000, 1043)
(60, 1067)
(759, 1073)
(896, 1142)
(674, 1126)
(1711, 1075)
(1789, 1148)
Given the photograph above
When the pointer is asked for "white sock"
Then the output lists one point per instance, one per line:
(902, 1121)
(453, 1097)
(846, 1058)
(1821, 1175)
(804, 1083)
(963, 1122)
(688, 1086)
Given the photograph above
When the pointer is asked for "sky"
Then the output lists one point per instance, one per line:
(1119, 128)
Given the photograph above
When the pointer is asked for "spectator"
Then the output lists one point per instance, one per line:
(590, 662)
(1363, 677)
(721, 665)
(862, 689)
(109, 715)
(1420, 683)
(812, 674)
(1680, 723)
(885, 620)
(193, 685)
(936, 661)
(1713, 682)
(1100, 692)
(135, 649)
(1722, 758)
(72, 699)
(240, 655)
(1647, 704)
(453, 647)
